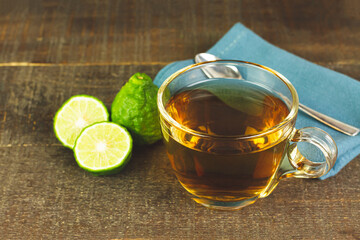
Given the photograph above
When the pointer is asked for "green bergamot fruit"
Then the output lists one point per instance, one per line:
(134, 107)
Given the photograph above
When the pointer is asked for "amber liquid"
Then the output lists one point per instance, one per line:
(219, 168)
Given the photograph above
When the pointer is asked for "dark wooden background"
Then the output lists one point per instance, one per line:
(51, 50)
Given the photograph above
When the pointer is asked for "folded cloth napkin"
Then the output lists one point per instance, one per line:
(322, 89)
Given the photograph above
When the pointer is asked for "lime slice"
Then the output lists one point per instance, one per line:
(103, 148)
(75, 114)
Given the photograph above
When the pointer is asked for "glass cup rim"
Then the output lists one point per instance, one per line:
(292, 114)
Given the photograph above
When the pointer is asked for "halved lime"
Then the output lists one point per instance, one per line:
(103, 148)
(75, 114)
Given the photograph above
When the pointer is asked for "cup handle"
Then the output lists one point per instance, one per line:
(300, 167)
(303, 167)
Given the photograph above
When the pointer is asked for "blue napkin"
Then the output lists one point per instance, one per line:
(322, 89)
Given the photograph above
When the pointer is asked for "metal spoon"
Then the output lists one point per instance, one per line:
(331, 122)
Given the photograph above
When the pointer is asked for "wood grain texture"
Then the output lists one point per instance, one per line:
(163, 31)
(51, 50)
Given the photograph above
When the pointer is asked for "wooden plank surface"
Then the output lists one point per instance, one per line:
(51, 50)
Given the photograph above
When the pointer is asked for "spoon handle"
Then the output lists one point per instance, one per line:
(329, 121)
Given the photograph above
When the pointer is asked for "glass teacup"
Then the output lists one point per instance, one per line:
(231, 139)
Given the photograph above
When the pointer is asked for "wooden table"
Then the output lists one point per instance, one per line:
(51, 50)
